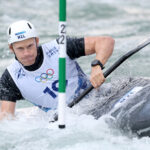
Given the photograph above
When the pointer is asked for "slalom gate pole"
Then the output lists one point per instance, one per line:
(62, 64)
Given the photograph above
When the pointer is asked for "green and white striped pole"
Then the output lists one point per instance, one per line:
(62, 64)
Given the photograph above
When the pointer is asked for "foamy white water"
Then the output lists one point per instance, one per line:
(32, 131)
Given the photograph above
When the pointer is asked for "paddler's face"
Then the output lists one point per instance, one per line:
(25, 51)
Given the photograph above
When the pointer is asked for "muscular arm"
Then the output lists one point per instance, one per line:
(9, 93)
(103, 47)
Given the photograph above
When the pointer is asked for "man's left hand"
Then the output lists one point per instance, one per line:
(97, 77)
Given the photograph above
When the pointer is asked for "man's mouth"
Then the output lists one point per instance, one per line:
(28, 59)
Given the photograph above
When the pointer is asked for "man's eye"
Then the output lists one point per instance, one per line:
(20, 48)
(29, 47)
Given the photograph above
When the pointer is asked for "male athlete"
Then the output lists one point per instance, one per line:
(34, 73)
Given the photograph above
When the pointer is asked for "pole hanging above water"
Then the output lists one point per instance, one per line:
(62, 64)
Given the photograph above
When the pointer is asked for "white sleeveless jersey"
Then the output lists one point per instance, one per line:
(40, 87)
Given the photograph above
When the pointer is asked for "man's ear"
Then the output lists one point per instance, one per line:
(11, 48)
(37, 40)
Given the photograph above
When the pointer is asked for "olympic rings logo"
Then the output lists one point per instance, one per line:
(44, 77)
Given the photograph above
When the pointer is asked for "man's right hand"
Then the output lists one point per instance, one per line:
(7, 108)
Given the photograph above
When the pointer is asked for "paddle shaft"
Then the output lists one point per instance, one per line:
(111, 69)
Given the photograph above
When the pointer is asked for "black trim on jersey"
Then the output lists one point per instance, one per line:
(8, 89)
(75, 47)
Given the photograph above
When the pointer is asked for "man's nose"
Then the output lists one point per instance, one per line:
(26, 52)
